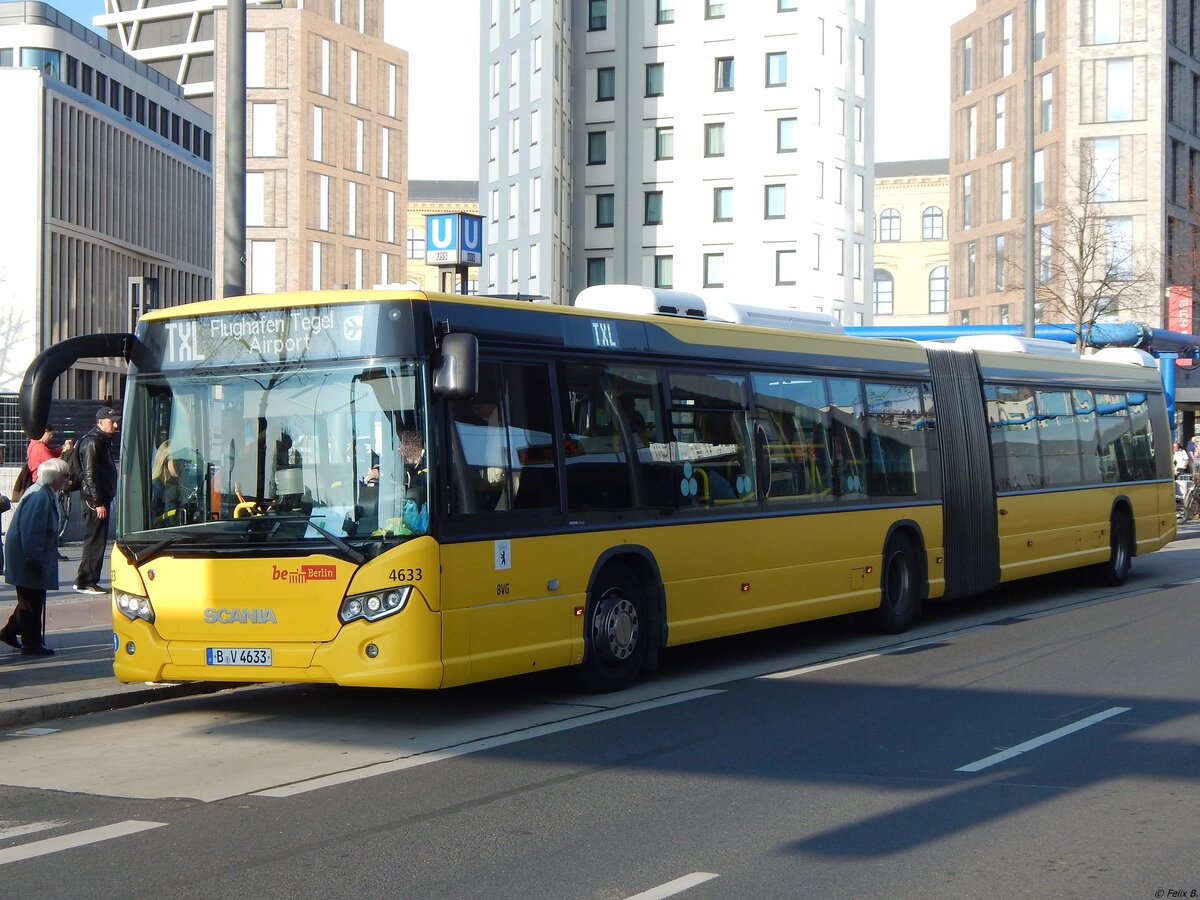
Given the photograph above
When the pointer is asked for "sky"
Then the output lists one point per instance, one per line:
(912, 89)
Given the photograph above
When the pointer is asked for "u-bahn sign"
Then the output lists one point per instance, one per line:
(453, 239)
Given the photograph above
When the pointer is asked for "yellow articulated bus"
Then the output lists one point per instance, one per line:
(394, 488)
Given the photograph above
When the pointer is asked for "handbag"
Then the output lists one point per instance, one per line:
(21, 485)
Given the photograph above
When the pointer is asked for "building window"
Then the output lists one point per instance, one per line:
(1045, 253)
(714, 9)
(653, 208)
(723, 204)
(714, 270)
(606, 83)
(1039, 180)
(972, 144)
(1119, 107)
(1046, 83)
(1106, 21)
(262, 267)
(595, 270)
(416, 243)
(775, 202)
(1106, 170)
(776, 69)
(966, 201)
(666, 12)
(1039, 29)
(785, 267)
(654, 79)
(939, 290)
(1118, 247)
(714, 139)
(788, 5)
(820, 178)
(816, 106)
(597, 15)
(998, 264)
(664, 271)
(263, 134)
(968, 64)
(841, 256)
(1006, 45)
(1001, 138)
(535, 194)
(889, 225)
(816, 251)
(859, 255)
(884, 292)
(1002, 313)
(724, 73)
(597, 148)
(605, 210)
(664, 143)
(972, 268)
(785, 135)
(1006, 189)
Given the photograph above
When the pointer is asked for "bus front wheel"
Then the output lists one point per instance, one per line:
(616, 631)
(899, 580)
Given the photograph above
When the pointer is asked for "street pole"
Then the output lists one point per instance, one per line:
(1030, 307)
(235, 150)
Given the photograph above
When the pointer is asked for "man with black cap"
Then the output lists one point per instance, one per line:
(98, 486)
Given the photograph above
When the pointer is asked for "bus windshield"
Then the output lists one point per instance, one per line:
(299, 456)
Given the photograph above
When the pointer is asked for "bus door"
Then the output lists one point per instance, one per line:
(505, 607)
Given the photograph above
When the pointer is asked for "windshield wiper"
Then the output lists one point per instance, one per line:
(351, 554)
(137, 558)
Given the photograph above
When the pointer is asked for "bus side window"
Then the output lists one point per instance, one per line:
(479, 447)
(792, 445)
(896, 441)
(845, 412)
(613, 424)
(503, 454)
(711, 447)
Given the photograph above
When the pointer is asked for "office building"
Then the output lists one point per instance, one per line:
(326, 131)
(723, 148)
(108, 193)
(1114, 162)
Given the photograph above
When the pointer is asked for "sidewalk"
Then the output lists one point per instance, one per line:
(78, 678)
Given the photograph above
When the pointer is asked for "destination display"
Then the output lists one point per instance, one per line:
(263, 337)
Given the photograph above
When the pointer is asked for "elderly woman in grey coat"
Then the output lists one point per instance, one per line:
(31, 557)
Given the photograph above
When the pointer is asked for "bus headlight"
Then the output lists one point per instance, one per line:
(134, 607)
(376, 605)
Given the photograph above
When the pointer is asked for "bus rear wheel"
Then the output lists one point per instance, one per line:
(1120, 555)
(616, 631)
(899, 591)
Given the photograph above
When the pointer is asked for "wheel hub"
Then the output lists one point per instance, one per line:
(615, 629)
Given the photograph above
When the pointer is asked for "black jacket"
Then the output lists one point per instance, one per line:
(99, 467)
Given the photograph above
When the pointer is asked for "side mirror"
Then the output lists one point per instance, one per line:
(458, 374)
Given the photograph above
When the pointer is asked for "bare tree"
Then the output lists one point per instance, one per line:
(1089, 265)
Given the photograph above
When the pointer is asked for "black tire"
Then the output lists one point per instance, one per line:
(1120, 557)
(899, 587)
(616, 632)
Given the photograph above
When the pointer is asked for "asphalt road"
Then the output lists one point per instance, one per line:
(1041, 741)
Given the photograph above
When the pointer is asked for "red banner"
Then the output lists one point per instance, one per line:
(1179, 314)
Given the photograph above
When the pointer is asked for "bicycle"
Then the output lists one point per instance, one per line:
(1189, 509)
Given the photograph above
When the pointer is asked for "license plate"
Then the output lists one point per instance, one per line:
(238, 656)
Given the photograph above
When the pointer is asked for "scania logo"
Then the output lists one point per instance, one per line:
(240, 616)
